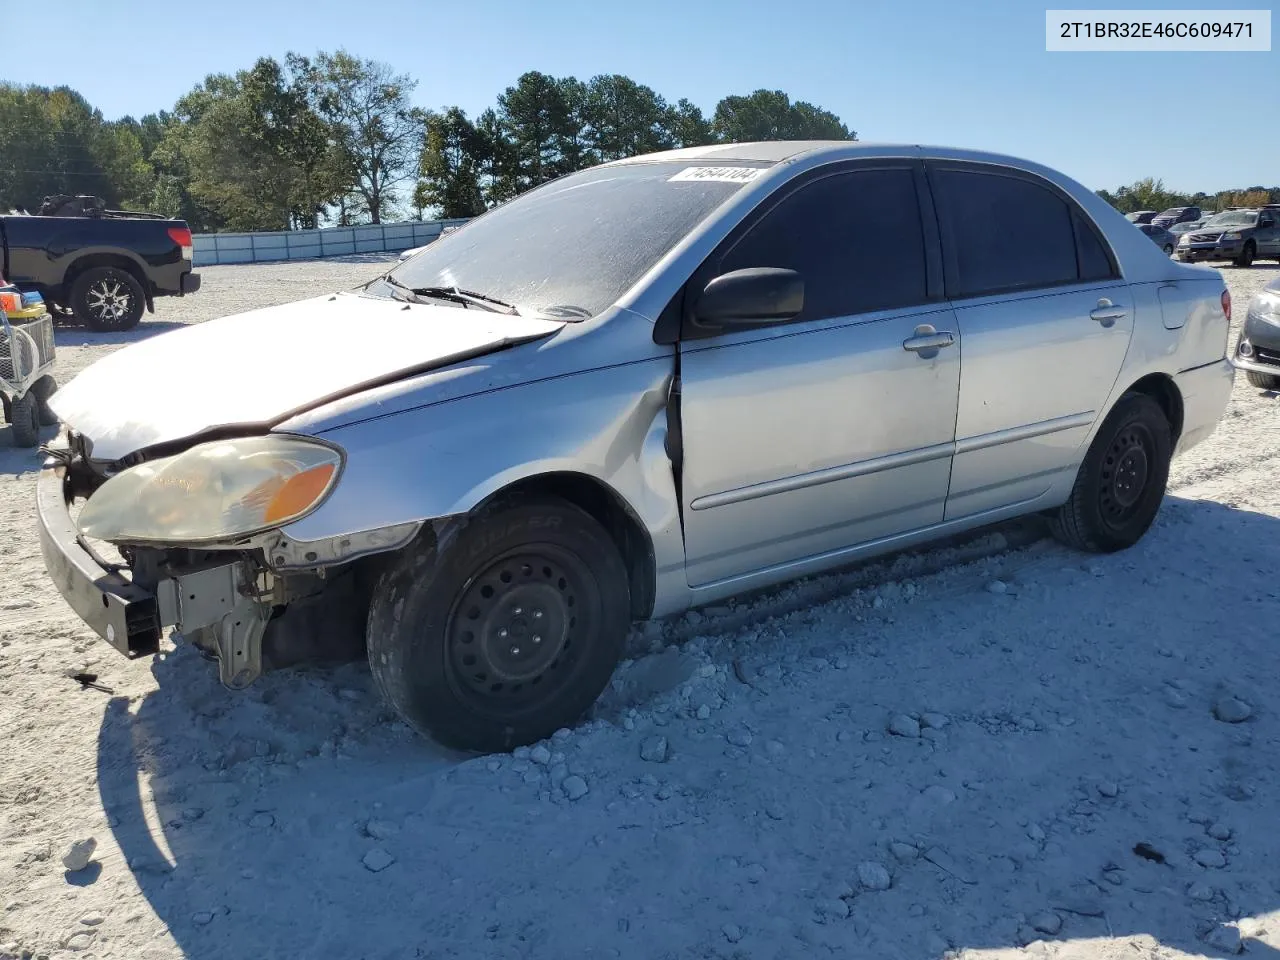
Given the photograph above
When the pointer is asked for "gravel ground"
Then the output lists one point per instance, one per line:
(999, 749)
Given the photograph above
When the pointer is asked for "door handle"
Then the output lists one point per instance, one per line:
(1107, 313)
(927, 340)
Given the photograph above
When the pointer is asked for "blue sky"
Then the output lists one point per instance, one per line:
(970, 74)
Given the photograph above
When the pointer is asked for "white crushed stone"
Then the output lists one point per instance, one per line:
(1099, 670)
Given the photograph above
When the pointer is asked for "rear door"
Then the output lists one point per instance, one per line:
(1045, 319)
(1268, 233)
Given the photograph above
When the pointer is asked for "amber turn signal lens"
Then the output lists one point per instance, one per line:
(299, 492)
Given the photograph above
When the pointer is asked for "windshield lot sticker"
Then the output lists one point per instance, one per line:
(719, 174)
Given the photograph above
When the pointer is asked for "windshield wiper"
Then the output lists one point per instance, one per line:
(465, 297)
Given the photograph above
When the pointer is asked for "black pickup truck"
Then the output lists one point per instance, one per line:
(104, 269)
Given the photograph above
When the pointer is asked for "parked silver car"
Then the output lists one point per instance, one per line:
(1258, 351)
(643, 387)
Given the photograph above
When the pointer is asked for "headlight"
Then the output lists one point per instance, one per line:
(1265, 309)
(1231, 236)
(214, 491)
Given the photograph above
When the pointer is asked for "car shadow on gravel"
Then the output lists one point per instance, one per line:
(72, 334)
(18, 460)
(299, 819)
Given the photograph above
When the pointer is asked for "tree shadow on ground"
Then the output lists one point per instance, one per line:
(272, 801)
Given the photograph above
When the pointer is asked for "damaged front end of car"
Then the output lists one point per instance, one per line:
(198, 531)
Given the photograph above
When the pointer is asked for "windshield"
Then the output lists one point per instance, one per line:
(1232, 218)
(573, 246)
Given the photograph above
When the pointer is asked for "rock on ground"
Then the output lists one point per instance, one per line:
(79, 854)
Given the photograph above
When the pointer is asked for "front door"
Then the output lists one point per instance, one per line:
(806, 438)
(1046, 320)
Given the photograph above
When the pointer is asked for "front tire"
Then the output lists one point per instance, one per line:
(24, 418)
(1168, 250)
(108, 299)
(1122, 480)
(505, 633)
(1263, 381)
(1246, 255)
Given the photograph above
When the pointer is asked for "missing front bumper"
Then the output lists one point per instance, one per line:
(220, 607)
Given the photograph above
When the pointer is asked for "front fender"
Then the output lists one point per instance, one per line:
(444, 459)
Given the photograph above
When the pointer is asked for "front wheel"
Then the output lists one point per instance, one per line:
(1168, 250)
(1263, 381)
(1122, 480)
(1246, 255)
(505, 633)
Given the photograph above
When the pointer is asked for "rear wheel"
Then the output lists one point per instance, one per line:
(1263, 381)
(107, 299)
(44, 388)
(1122, 480)
(1168, 250)
(1246, 255)
(505, 633)
(24, 416)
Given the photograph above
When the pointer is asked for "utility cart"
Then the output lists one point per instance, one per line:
(26, 364)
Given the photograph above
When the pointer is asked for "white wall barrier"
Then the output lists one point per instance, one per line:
(219, 248)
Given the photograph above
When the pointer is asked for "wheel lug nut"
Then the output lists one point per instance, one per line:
(537, 614)
(537, 638)
(518, 610)
(503, 633)
(515, 651)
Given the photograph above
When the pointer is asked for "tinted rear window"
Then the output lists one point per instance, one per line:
(1004, 233)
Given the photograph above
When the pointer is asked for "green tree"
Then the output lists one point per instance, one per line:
(770, 115)
(450, 167)
(624, 118)
(377, 131)
(536, 118)
(688, 127)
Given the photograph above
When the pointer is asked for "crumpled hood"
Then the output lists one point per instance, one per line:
(260, 367)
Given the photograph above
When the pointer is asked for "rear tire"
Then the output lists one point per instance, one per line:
(1263, 381)
(25, 420)
(504, 633)
(1168, 250)
(1246, 255)
(1122, 480)
(44, 388)
(108, 299)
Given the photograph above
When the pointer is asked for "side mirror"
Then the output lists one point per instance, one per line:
(745, 298)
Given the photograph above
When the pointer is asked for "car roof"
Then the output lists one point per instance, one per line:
(780, 151)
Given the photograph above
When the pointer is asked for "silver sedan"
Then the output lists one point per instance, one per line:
(643, 387)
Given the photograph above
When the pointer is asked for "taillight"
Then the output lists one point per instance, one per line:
(182, 237)
(1226, 304)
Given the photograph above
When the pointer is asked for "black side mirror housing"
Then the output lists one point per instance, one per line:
(750, 297)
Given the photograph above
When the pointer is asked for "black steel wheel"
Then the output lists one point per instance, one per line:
(507, 632)
(1247, 254)
(1121, 483)
(108, 299)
